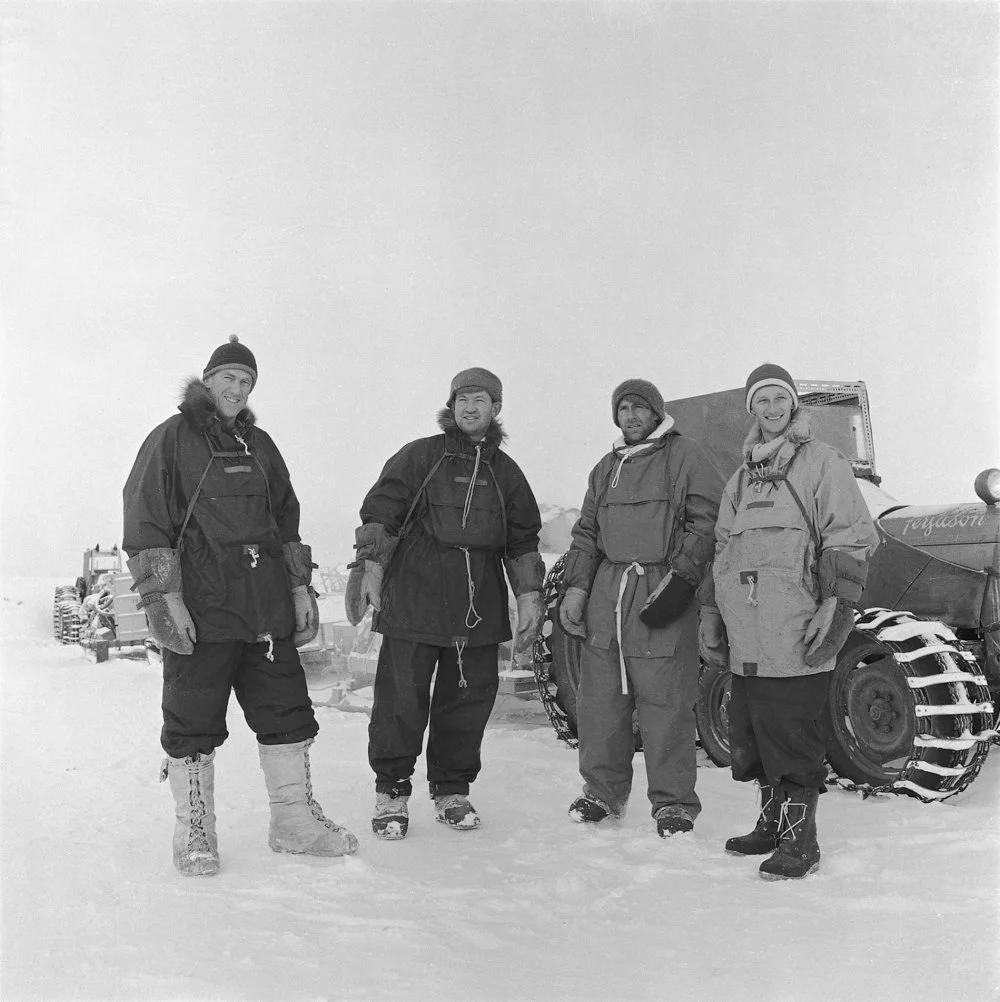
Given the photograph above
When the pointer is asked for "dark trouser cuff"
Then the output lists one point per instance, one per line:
(398, 788)
(444, 789)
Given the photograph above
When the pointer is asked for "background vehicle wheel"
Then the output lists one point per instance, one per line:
(909, 708)
(870, 714)
(712, 712)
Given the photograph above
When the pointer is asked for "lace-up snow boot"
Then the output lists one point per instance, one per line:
(673, 820)
(391, 817)
(764, 838)
(797, 854)
(455, 811)
(588, 810)
(297, 820)
(192, 782)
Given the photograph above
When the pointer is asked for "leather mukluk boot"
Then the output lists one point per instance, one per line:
(297, 820)
(192, 782)
(797, 854)
(764, 838)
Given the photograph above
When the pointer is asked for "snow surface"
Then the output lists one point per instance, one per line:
(531, 906)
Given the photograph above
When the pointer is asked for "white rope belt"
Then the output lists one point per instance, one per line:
(640, 570)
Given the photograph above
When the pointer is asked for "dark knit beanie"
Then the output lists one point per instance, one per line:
(476, 379)
(637, 388)
(770, 374)
(232, 355)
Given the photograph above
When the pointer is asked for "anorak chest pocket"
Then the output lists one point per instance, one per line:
(762, 575)
(454, 498)
(637, 528)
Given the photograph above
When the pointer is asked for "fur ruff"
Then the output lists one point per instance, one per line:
(797, 431)
(198, 406)
(495, 435)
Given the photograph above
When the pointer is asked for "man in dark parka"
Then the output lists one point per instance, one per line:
(447, 516)
(212, 530)
(640, 549)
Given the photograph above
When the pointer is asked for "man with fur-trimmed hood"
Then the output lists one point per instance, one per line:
(212, 530)
(446, 517)
(792, 546)
(640, 550)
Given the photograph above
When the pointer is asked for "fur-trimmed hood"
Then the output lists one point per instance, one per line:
(495, 435)
(198, 406)
(797, 432)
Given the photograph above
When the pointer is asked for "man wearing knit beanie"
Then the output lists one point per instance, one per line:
(212, 533)
(640, 549)
(792, 545)
(448, 515)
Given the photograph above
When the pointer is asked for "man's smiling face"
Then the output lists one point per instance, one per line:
(230, 390)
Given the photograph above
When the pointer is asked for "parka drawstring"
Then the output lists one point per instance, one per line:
(471, 611)
(246, 448)
(266, 638)
(459, 647)
(640, 571)
(472, 487)
(618, 472)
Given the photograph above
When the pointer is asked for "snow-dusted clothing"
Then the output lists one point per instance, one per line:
(649, 508)
(459, 509)
(235, 582)
(445, 583)
(767, 551)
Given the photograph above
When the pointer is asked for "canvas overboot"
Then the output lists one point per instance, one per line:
(797, 854)
(455, 811)
(297, 820)
(192, 782)
(764, 838)
(391, 817)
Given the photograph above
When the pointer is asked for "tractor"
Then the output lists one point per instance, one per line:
(912, 695)
(100, 611)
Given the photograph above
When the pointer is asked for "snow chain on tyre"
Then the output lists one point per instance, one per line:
(954, 713)
(541, 657)
(66, 615)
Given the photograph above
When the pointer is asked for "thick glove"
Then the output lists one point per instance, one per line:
(713, 644)
(299, 564)
(667, 602)
(530, 613)
(169, 621)
(842, 578)
(827, 630)
(364, 588)
(573, 611)
(306, 615)
(157, 574)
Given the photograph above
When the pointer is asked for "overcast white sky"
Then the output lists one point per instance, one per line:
(375, 196)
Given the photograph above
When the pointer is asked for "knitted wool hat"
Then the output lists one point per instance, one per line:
(232, 355)
(637, 388)
(476, 379)
(770, 374)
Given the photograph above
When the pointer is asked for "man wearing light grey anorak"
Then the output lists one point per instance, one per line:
(793, 541)
(640, 550)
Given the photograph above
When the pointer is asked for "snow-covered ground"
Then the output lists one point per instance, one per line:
(905, 905)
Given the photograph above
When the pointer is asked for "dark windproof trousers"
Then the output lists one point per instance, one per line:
(458, 714)
(272, 694)
(663, 691)
(776, 730)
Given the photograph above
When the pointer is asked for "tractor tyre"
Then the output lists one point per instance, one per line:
(908, 709)
(564, 669)
(712, 712)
